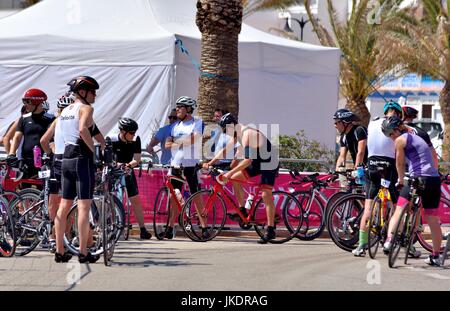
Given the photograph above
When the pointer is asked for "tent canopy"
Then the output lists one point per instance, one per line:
(129, 47)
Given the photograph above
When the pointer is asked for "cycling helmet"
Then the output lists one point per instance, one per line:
(34, 96)
(392, 105)
(65, 100)
(186, 101)
(390, 124)
(128, 125)
(83, 83)
(410, 112)
(226, 119)
(345, 116)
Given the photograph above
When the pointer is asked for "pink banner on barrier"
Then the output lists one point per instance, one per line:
(150, 183)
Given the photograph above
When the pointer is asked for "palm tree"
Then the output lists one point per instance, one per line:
(366, 59)
(219, 22)
(422, 43)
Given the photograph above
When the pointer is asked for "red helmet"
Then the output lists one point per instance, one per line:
(34, 96)
(410, 112)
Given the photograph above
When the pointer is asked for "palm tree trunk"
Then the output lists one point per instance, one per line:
(358, 107)
(220, 24)
(444, 101)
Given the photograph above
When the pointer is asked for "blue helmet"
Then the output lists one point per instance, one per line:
(392, 105)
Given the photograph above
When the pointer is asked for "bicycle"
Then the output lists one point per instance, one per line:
(381, 211)
(167, 206)
(344, 215)
(313, 202)
(30, 212)
(406, 228)
(210, 207)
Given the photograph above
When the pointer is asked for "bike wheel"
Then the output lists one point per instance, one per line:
(7, 231)
(398, 238)
(331, 200)
(344, 220)
(313, 216)
(203, 206)
(374, 228)
(26, 210)
(109, 229)
(288, 217)
(411, 236)
(424, 237)
(161, 213)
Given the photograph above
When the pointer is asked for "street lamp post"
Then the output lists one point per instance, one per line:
(302, 22)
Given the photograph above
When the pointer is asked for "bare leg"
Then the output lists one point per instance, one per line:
(137, 207)
(53, 204)
(270, 206)
(83, 224)
(60, 224)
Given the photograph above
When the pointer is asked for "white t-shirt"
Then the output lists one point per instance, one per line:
(377, 143)
(188, 155)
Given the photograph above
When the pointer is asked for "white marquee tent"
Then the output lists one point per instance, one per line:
(129, 47)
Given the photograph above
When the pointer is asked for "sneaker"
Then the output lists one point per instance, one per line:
(387, 247)
(360, 251)
(236, 217)
(433, 261)
(145, 235)
(63, 258)
(413, 252)
(52, 246)
(169, 234)
(89, 258)
(270, 235)
(5, 246)
(205, 233)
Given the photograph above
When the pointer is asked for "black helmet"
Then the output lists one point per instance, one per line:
(226, 119)
(128, 125)
(83, 83)
(345, 116)
(390, 124)
(65, 100)
(410, 112)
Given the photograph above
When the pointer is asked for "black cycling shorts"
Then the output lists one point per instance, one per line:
(131, 184)
(431, 194)
(78, 174)
(267, 176)
(190, 173)
(56, 172)
(373, 177)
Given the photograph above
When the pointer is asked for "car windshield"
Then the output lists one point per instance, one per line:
(432, 128)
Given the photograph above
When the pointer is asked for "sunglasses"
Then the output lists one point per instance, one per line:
(173, 118)
(132, 133)
(27, 101)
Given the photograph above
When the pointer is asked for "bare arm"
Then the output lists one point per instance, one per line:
(86, 121)
(435, 157)
(16, 142)
(9, 135)
(342, 156)
(45, 139)
(361, 151)
(152, 144)
(400, 145)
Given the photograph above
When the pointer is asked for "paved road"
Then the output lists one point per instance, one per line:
(227, 263)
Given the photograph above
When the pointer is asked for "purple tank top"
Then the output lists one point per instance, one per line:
(419, 158)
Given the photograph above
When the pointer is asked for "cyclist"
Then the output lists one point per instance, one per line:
(259, 159)
(185, 145)
(412, 149)
(127, 150)
(409, 114)
(381, 152)
(31, 127)
(78, 168)
(353, 138)
(160, 138)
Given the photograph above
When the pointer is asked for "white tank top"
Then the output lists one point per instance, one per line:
(68, 124)
(58, 139)
(377, 143)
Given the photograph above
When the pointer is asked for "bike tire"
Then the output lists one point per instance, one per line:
(374, 228)
(313, 220)
(411, 239)
(161, 213)
(215, 218)
(344, 229)
(287, 206)
(397, 238)
(107, 224)
(7, 229)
